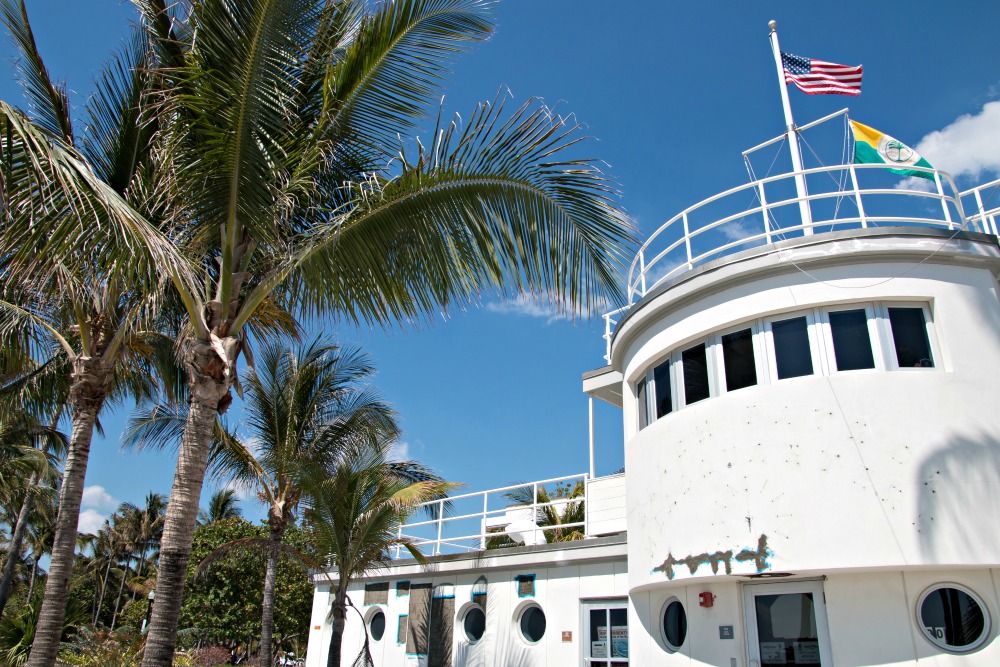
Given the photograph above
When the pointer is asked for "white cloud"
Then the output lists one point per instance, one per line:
(530, 305)
(96, 497)
(91, 521)
(969, 146)
(400, 451)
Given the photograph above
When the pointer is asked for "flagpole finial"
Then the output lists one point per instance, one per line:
(772, 24)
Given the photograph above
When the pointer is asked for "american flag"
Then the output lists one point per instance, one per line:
(815, 77)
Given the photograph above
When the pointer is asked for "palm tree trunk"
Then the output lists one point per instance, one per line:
(104, 588)
(209, 380)
(14, 550)
(339, 621)
(34, 571)
(270, 582)
(87, 392)
(121, 587)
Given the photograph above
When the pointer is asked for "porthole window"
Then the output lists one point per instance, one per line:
(474, 623)
(532, 624)
(376, 625)
(953, 618)
(673, 626)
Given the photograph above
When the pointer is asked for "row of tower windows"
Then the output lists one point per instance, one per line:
(820, 341)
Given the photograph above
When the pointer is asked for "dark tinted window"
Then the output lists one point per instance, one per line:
(661, 381)
(737, 356)
(376, 626)
(533, 624)
(791, 347)
(909, 337)
(674, 624)
(952, 617)
(695, 374)
(474, 623)
(640, 395)
(852, 345)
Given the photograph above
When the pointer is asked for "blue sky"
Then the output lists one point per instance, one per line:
(671, 93)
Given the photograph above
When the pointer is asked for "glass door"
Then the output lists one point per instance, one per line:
(786, 624)
(605, 627)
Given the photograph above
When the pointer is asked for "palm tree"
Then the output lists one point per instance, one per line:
(286, 114)
(25, 447)
(93, 296)
(355, 509)
(304, 408)
(221, 506)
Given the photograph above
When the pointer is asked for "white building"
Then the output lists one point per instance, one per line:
(812, 447)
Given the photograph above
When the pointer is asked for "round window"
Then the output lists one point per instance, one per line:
(474, 623)
(376, 625)
(674, 624)
(532, 624)
(953, 618)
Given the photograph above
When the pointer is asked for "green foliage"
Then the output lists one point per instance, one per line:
(224, 604)
(120, 648)
(17, 630)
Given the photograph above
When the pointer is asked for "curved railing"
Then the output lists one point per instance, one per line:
(769, 210)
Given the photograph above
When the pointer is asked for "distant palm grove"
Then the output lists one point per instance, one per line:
(247, 172)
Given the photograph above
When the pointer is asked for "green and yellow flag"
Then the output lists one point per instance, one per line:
(874, 147)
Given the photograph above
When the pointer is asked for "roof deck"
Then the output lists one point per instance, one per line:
(768, 210)
(557, 510)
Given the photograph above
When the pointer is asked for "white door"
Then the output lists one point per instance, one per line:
(786, 624)
(605, 630)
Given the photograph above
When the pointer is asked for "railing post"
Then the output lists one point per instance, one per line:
(440, 523)
(642, 272)
(607, 337)
(765, 211)
(944, 200)
(534, 509)
(482, 522)
(982, 214)
(857, 196)
(687, 240)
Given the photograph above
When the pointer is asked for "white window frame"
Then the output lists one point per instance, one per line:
(873, 335)
(889, 345)
(940, 643)
(585, 644)
(677, 368)
(759, 359)
(815, 344)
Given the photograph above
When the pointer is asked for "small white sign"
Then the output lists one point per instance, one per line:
(599, 649)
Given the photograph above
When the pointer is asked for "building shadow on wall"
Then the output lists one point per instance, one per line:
(958, 503)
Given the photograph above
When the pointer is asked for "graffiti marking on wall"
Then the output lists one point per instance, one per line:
(725, 558)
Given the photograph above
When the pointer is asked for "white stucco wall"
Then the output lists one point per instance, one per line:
(858, 469)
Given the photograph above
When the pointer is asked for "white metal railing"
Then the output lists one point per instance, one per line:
(453, 529)
(767, 210)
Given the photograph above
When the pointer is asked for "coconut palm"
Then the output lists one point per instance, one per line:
(25, 447)
(221, 506)
(286, 114)
(355, 509)
(94, 296)
(304, 407)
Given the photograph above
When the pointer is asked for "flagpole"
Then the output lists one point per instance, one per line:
(793, 137)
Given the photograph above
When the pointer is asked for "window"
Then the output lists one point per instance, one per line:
(661, 384)
(695, 364)
(605, 633)
(674, 624)
(792, 353)
(401, 630)
(532, 624)
(738, 359)
(816, 341)
(852, 343)
(376, 626)
(525, 585)
(474, 623)
(402, 588)
(953, 618)
(377, 593)
(640, 394)
(909, 338)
